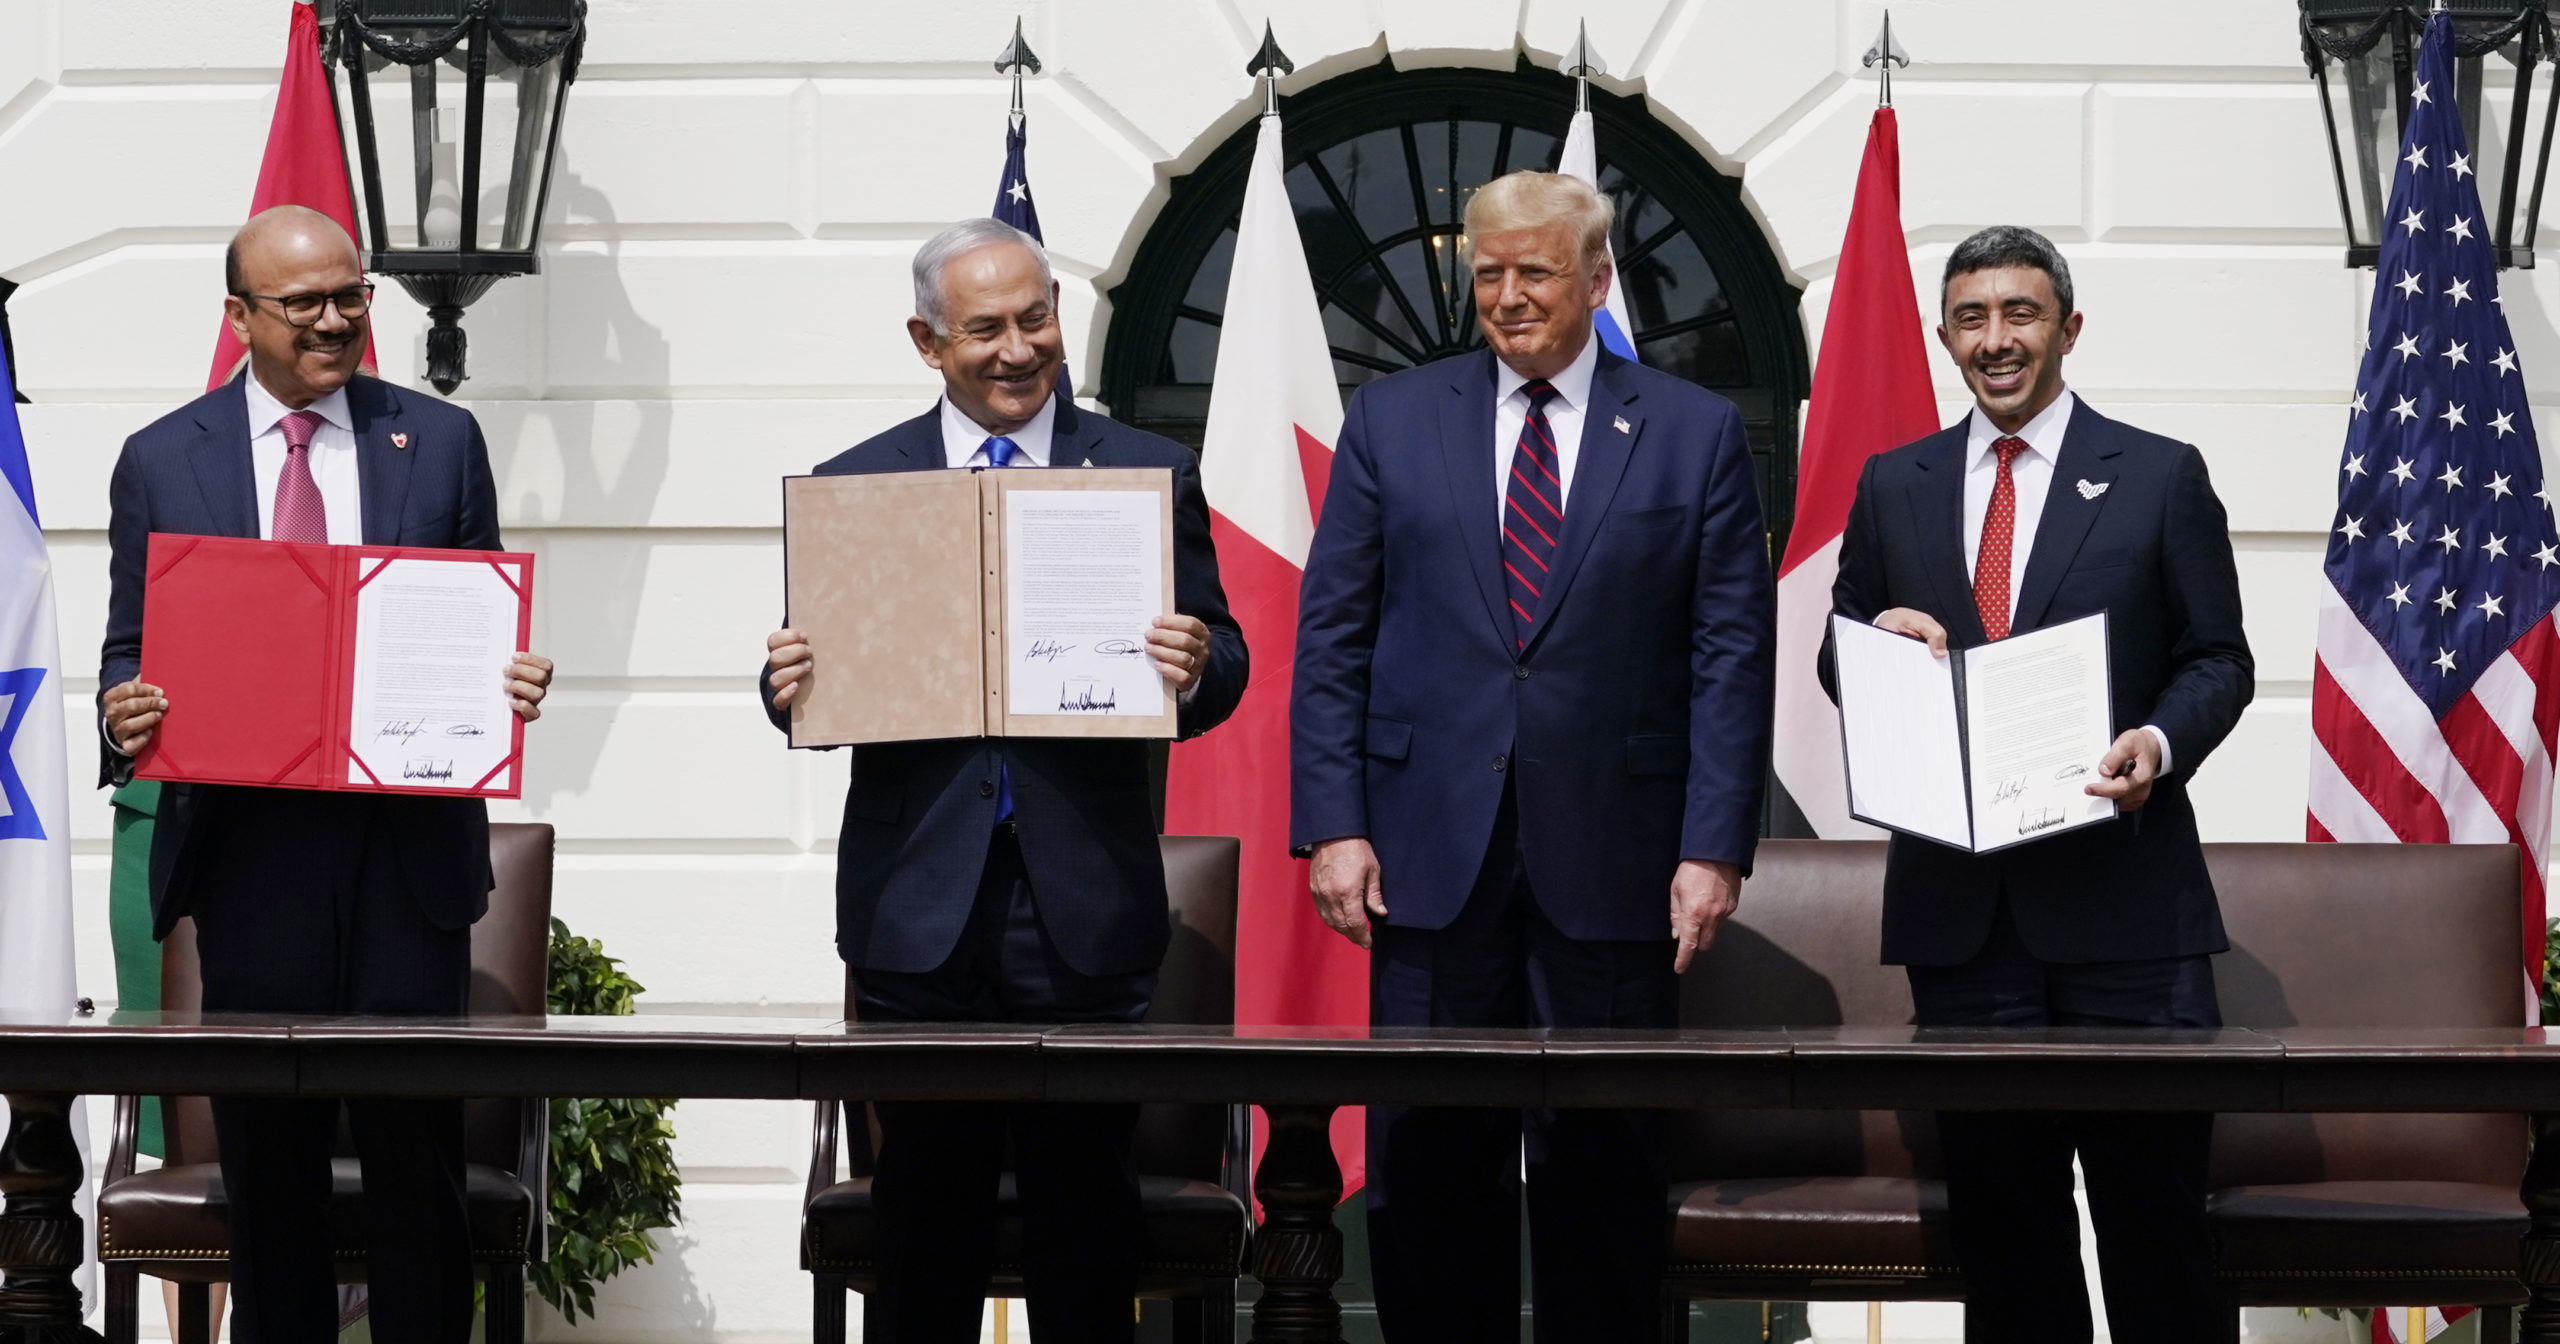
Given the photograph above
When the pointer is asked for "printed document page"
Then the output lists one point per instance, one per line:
(428, 704)
(1898, 722)
(1084, 578)
(2038, 718)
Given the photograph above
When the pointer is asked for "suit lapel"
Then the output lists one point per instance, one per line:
(1936, 499)
(222, 464)
(1599, 466)
(2088, 452)
(1075, 439)
(382, 465)
(1466, 445)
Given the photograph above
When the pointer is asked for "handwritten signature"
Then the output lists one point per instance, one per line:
(1117, 648)
(400, 730)
(464, 730)
(1080, 698)
(2009, 788)
(427, 768)
(2071, 772)
(2039, 819)
(1047, 650)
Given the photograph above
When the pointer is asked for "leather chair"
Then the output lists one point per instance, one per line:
(174, 1222)
(1190, 1158)
(2324, 1210)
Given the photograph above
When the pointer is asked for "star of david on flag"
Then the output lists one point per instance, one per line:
(2433, 695)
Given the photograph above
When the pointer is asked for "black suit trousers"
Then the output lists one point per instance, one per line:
(941, 1164)
(2009, 1199)
(1444, 1182)
(302, 905)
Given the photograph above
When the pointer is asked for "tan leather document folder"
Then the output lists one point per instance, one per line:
(978, 603)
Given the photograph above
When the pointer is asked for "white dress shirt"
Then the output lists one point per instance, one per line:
(2031, 475)
(964, 441)
(1564, 416)
(333, 460)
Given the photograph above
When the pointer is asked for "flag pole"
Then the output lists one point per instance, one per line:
(1016, 58)
(1582, 65)
(1268, 64)
(1887, 54)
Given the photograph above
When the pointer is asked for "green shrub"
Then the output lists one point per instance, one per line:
(613, 1166)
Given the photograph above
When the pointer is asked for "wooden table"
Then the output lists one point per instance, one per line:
(1297, 1077)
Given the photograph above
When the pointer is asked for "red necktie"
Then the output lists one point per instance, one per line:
(1991, 559)
(1532, 512)
(300, 514)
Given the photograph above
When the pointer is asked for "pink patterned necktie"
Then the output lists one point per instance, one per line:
(300, 514)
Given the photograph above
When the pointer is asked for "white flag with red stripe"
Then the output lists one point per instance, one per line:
(2435, 692)
(1274, 412)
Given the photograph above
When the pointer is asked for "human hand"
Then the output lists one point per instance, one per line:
(1179, 647)
(2138, 749)
(1702, 895)
(787, 662)
(1344, 881)
(133, 713)
(1917, 624)
(528, 679)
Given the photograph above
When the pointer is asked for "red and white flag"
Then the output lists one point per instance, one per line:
(2389, 1324)
(305, 164)
(1870, 394)
(1273, 414)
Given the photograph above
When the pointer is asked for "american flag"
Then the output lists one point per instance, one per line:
(2436, 690)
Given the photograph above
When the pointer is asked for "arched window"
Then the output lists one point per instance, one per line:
(1380, 165)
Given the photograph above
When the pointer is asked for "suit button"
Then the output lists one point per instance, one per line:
(1521, 672)
(1501, 763)
(986, 788)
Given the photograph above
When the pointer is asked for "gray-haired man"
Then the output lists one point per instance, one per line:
(1011, 879)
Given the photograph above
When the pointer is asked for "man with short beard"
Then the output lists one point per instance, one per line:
(2032, 511)
(311, 901)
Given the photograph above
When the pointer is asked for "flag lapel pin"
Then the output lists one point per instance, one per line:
(400, 441)
(1621, 423)
(2088, 491)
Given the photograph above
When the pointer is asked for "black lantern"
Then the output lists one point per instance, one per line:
(2371, 49)
(470, 93)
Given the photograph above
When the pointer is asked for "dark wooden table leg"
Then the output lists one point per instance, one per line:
(2539, 1322)
(1297, 1252)
(40, 1236)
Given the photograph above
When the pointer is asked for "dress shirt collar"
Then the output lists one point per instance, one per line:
(963, 438)
(2043, 434)
(1574, 384)
(265, 410)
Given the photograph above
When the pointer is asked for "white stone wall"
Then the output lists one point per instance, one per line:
(725, 277)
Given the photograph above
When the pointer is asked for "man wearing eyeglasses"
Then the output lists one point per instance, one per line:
(308, 901)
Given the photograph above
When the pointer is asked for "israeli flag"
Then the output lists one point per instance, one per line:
(1581, 160)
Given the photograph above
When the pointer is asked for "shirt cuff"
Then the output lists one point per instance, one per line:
(2166, 763)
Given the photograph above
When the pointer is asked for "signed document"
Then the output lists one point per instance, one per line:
(1986, 748)
(380, 669)
(1011, 603)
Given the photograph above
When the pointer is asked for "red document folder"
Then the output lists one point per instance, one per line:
(254, 644)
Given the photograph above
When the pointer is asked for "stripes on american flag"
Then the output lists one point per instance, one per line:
(2436, 691)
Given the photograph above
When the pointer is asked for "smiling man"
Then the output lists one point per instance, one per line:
(309, 901)
(1011, 879)
(2035, 510)
(1529, 727)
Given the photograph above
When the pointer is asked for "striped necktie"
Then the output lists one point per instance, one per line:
(1532, 512)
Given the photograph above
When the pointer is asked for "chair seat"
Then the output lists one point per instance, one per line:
(2371, 1230)
(180, 1214)
(1192, 1230)
(1850, 1227)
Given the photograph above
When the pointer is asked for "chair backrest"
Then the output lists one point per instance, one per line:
(2322, 935)
(510, 965)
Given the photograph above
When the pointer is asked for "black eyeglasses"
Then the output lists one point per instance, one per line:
(303, 310)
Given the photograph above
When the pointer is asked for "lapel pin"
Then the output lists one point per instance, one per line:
(2088, 491)
(1088, 461)
(400, 440)
(1621, 423)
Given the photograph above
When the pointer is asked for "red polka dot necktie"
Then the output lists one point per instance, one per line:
(1991, 559)
(300, 515)
(1532, 512)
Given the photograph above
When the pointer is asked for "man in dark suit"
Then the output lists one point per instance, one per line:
(1531, 717)
(1012, 879)
(2033, 511)
(308, 901)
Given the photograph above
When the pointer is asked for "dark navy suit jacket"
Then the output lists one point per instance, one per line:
(1634, 726)
(189, 473)
(2153, 551)
(919, 816)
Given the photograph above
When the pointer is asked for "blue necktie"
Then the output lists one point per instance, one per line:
(1000, 451)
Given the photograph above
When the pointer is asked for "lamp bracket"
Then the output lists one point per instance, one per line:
(421, 51)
